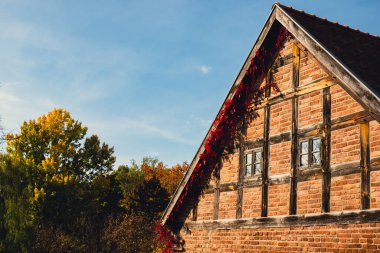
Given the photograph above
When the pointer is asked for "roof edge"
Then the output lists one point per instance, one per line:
(268, 24)
(348, 79)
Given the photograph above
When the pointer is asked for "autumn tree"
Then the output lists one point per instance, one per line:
(70, 181)
(169, 177)
(57, 143)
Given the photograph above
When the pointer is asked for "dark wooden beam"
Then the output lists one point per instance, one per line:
(294, 135)
(216, 196)
(239, 202)
(314, 130)
(365, 166)
(296, 66)
(326, 151)
(299, 91)
(336, 218)
(303, 175)
(265, 180)
(294, 159)
(195, 212)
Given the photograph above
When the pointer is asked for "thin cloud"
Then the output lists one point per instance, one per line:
(204, 69)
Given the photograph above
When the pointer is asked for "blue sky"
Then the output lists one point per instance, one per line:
(147, 76)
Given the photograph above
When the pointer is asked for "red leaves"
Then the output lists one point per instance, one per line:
(226, 125)
(165, 236)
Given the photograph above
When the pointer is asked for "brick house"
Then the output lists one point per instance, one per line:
(305, 175)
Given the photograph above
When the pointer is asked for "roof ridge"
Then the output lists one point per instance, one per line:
(328, 21)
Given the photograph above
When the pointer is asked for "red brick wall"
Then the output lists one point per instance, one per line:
(374, 138)
(256, 128)
(375, 189)
(279, 161)
(345, 192)
(281, 117)
(345, 145)
(282, 74)
(278, 200)
(309, 196)
(342, 103)
(227, 205)
(251, 202)
(310, 109)
(309, 69)
(206, 207)
(230, 169)
(358, 238)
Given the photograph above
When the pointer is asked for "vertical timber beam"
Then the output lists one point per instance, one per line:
(216, 195)
(265, 178)
(326, 151)
(239, 202)
(195, 211)
(294, 148)
(365, 166)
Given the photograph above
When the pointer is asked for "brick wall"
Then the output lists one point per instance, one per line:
(375, 138)
(256, 128)
(230, 169)
(227, 205)
(375, 189)
(345, 145)
(278, 200)
(282, 72)
(342, 103)
(206, 207)
(281, 117)
(345, 192)
(309, 196)
(310, 109)
(279, 161)
(358, 238)
(309, 69)
(251, 202)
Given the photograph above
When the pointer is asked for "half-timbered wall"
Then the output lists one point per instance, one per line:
(311, 106)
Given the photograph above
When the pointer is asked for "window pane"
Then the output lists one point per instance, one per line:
(248, 170)
(248, 158)
(316, 145)
(304, 147)
(304, 160)
(258, 157)
(257, 169)
(316, 158)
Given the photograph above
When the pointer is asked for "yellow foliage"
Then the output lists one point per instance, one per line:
(39, 193)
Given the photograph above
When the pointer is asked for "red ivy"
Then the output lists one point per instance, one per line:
(225, 128)
(165, 236)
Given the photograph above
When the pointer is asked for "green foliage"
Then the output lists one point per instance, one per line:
(150, 199)
(58, 145)
(58, 192)
(17, 206)
(128, 178)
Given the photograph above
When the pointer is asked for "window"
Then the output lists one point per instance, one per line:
(253, 160)
(310, 152)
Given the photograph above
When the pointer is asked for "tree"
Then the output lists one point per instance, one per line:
(58, 145)
(69, 180)
(150, 199)
(168, 177)
(133, 231)
(17, 206)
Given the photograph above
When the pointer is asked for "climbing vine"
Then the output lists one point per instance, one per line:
(232, 119)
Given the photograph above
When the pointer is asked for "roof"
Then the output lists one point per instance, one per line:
(350, 56)
(359, 51)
